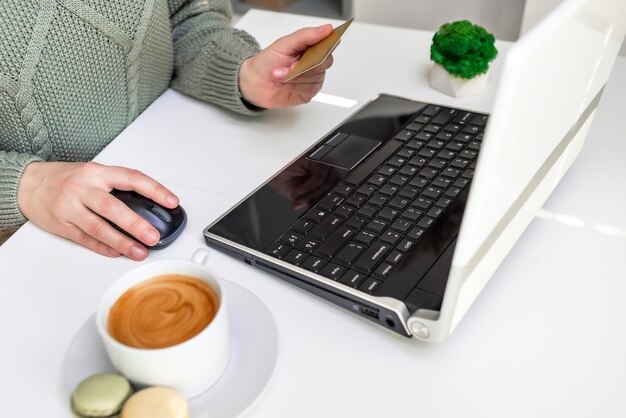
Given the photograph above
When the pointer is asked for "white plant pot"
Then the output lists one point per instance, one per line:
(442, 80)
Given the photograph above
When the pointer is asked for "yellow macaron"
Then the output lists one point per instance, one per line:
(156, 402)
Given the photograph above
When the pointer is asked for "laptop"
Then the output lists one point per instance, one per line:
(403, 212)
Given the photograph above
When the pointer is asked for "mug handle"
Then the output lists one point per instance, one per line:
(201, 256)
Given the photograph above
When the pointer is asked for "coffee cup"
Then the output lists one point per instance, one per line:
(190, 365)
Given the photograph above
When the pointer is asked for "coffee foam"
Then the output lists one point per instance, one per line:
(162, 311)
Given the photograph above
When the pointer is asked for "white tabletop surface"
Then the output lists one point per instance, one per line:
(547, 337)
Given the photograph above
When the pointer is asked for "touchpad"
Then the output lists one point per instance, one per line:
(346, 154)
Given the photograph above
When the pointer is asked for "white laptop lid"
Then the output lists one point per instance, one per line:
(550, 76)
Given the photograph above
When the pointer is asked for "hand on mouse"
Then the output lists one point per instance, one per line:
(261, 76)
(71, 200)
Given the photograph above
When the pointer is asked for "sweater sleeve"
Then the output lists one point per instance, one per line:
(12, 165)
(208, 52)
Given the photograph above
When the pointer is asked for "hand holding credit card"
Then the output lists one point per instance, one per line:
(318, 53)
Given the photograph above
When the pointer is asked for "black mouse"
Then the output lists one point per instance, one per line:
(169, 222)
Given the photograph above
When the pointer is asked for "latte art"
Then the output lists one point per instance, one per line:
(162, 312)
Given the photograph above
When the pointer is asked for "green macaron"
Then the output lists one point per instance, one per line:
(101, 395)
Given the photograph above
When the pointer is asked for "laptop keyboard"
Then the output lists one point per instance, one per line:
(361, 230)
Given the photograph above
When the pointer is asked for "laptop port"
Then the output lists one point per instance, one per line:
(370, 312)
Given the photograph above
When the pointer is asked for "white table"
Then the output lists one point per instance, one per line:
(546, 337)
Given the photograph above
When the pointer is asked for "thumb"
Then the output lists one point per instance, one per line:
(302, 39)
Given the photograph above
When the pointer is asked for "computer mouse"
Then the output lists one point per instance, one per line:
(169, 222)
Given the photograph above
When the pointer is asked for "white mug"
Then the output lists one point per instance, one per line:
(190, 367)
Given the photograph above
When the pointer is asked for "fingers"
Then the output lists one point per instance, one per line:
(97, 229)
(279, 74)
(109, 207)
(127, 179)
(80, 237)
(302, 39)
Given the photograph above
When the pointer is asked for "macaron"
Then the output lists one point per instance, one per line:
(101, 395)
(156, 402)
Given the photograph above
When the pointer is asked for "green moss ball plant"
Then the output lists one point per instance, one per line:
(463, 50)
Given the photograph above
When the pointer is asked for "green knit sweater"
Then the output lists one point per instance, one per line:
(75, 73)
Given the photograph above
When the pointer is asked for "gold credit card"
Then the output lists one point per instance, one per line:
(318, 53)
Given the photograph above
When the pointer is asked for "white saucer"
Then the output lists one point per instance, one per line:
(254, 351)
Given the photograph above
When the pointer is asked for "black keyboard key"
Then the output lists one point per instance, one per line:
(308, 244)
(391, 237)
(387, 170)
(296, 257)
(437, 163)
(415, 233)
(368, 261)
(433, 129)
(344, 189)
(453, 127)
(431, 110)
(383, 271)
(367, 211)
(444, 202)
(409, 192)
(461, 182)
(453, 192)
(335, 241)
(377, 180)
(352, 278)
(399, 202)
(429, 173)
(344, 211)
(405, 245)
(464, 138)
(367, 190)
(415, 145)
(445, 116)
(442, 182)
(424, 136)
(427, 153)
(455, 146)
(325, 227)
(419, 182)
(378, 200)
(406, 152)
(447, 155)
(408, 170)
(463, 118)
(399, 180)
(303, 226)
(333, 271)
(314, 264)
(278, 250)
(388, 214)
(329, 202)
(435, 212)
(474, 146)
(473, 165)
(349, 253)
(290, 237)
(444, 136)
(396, 161)
(401, 225)
(423, 119)
(468, 174)
(357, 222)
(355, 201)
(389, 190)
(422, 203)
(425, 222)
(365, 169)
(395, 257)
(405, 135)
(436, 144)
(468, 154)
(471, 130)
(366, 237)
(418, 161)
(450, 173)
(412, 214)
(414, 126)
(377, 225)
(479, 120)
(460, 163)
(370, 286)
(316, 216)
(432, 192)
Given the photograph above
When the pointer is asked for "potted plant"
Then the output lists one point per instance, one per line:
(462, 52)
